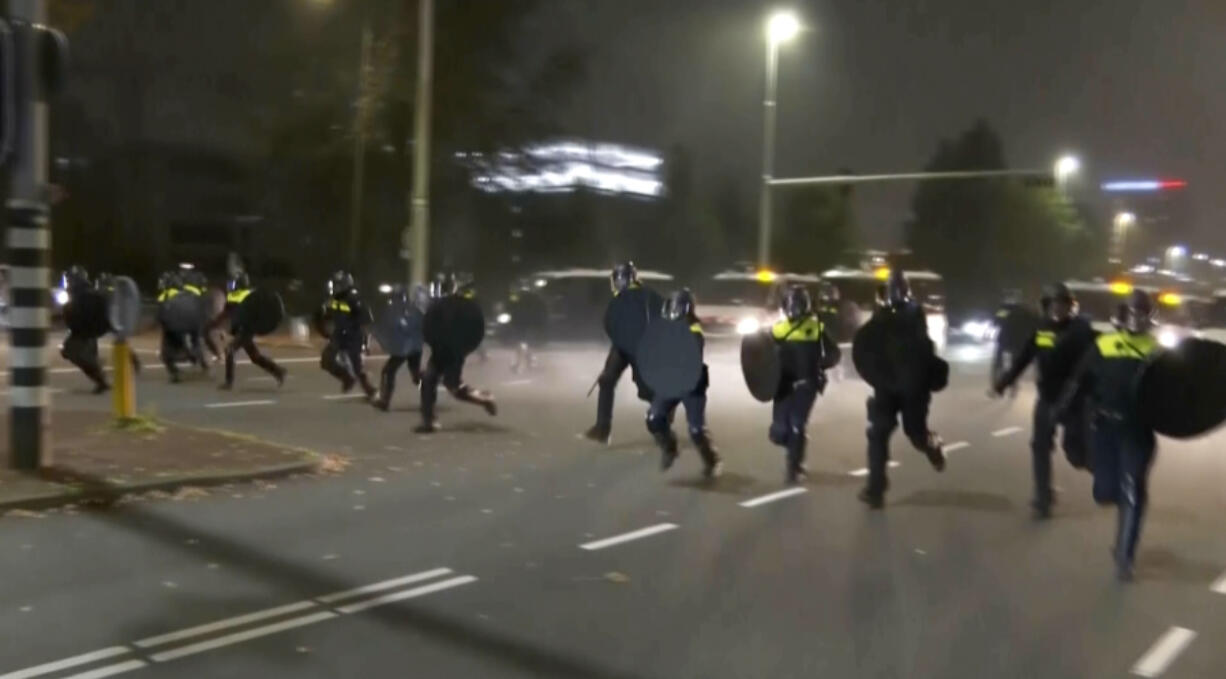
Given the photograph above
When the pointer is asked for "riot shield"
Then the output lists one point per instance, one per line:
(454, 326)
(398, 328)
(261, 312)
(670, 358)
(1182, 391)
(184, 313)
(760, 365)
(87, 314)
(123, 307)
(628, 315)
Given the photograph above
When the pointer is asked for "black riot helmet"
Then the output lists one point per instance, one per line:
(897, 290)
(1058, 302)
(194, 277)
(444, 285)
(170, 280)
(340, 283)
(623, 276)
(1137, 314)
(796, 302)
(75, 278)
(239, 281)
(679, 305)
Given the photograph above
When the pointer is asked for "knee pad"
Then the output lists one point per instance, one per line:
(657, 423)
(778, 434)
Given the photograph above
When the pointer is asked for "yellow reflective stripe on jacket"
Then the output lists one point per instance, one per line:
(237, 296)
(696, 328)
(337, 305)
(167, 294)
(807, 330)
(193, 289)
(632, 286)
(1125, 345)
(1045, 339)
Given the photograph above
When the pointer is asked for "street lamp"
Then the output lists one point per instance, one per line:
(1066, 167)
(781, 27)
(1123, 221)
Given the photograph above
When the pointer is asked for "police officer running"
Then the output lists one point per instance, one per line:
(1014, 327)
(237, 290)
(806, 351)
(420, 298)
(77, 350)
(342, 356)
(1124, 445)
(680, 307)
(175, 344)
(447, 367)
(623, 277)
(1059, 343)
(910, 355)
(196, 283)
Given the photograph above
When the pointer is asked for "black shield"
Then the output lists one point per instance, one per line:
(892, 352)
(185, 312)
(261, 312)
(627, 317)
(124, 307)
(868, 356)
(670, 359)
(760, 365)
(87, 314)
(1182, 392)
(398, 328)
(454, 326)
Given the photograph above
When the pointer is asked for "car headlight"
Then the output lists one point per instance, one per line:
(503, 318)
(975, 329)
(1168, 338)
(748, 326)
(61, 296)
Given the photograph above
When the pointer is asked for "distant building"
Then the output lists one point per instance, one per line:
(563, 167)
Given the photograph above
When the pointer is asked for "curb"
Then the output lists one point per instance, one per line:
(84, 489)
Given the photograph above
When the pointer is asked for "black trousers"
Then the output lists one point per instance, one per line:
(450, 371)
(246, 341)
(1122, 456)
(614, 365)
(1042, 441)
(83, 353)
(790, 419)
(387, 378)
(176, 345)
(344, 370)
(884, 410)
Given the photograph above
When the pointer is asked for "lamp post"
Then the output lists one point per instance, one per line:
(1122, 222)
(780, 27)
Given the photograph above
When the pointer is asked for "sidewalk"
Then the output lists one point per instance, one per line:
(94, 461)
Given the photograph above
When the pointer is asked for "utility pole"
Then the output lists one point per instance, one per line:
(362, 120)
(418, 231)
(34, 59)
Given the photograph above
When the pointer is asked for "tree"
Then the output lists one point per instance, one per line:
(816, 228)
(984, 235)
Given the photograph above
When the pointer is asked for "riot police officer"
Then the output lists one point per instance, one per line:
(348, 317)
(196, 283)
(1124, 444)
(910, 357)
(105, 284)
(446, 366)
(623, 277)
(175, 344)
(237, 290)
(1015, 325)
(1059, 343)
(419, 298)
(806, 351)
(680, 307)
(78, 350)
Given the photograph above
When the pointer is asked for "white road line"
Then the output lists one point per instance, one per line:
(341, 397)
(627, 537)
(208, 628)
(240, 404)
(956, 445)
(407, 594)
(863, 471)
(1218, 585)
(159, 366)
(245, 635)
(110, 670)
(380, 586)
(515, 383)
(1007, 431)
(1163, 652)
(84, 658)
(771, 497)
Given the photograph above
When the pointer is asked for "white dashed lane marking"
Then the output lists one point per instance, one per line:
(1164, 651)
(240, 404)
(1007, 431)
(627, 537)
(772, 497)
(956, 445)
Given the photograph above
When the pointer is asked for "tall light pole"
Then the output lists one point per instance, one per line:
(1122, 222)
(418, 231)
(1066, 167)
(780, 27)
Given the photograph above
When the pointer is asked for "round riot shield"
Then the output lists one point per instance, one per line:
(87, 315)
(454, 326)
(1182, 391)
(760, 365)
(123, 309)
(868, 356)
(398, 328)
(261, 312)
(185, 312)
(627, 316)
(670, 359)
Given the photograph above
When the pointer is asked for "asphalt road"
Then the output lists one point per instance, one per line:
(506, 547)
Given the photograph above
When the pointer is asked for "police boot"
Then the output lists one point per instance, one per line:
(367, 387)
(712, 466)
(481, 398)
(796, 471)
(100, 384)
(598, 433)
(384, 399)
(935, 452)
(1128, 532)
(667, 442)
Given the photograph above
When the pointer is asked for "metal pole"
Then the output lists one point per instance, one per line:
(419, 206)
(362, 118)
(768, 154)
(29, 252)
(906, 176)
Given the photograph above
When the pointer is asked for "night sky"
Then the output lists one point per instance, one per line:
(1135, 87)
